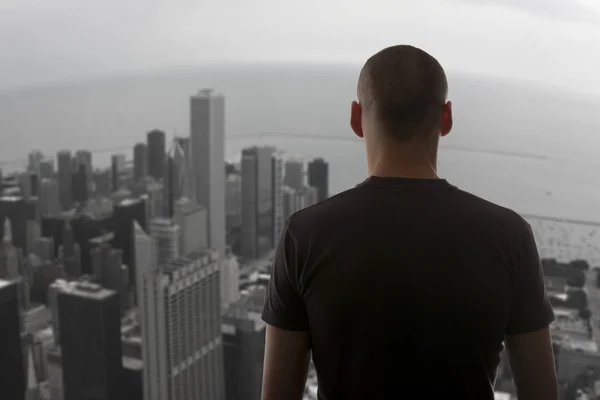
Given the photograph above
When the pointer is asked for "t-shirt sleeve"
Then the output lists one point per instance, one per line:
(284, 307)
(531, 309)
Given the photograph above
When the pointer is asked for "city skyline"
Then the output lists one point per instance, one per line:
(138, 250)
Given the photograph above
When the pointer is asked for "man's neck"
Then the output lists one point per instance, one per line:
(417, 162)
(399, 171)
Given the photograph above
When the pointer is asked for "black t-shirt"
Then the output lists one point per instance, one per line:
(407, 287)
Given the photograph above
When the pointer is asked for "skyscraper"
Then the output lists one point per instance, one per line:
(192, 220)
(244, 346)
(34, 160)
(70, 252)
(90, 340)
(106, 266)
(49, 198)
(179, 305)
(46, 168)
(176, 183)
(25, 185)
(277, 193)
(117, 166)
(12, 378)
(289, 202)
(102, 182)
(10, 256)
(84, 157)
(207, 133)
(140, 161)
(80, 185)
(318, 177)
(156, 141)
(166, 238)
(53, 290)
(230, 279)
(186, 145)
(65, 180)
(124, 214)
(294, 174)
(257, 201)
(233, 203)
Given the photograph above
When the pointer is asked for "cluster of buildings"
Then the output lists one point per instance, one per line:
(144, 280)
(572, 289)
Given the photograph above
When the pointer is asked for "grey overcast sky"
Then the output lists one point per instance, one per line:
(548, 40)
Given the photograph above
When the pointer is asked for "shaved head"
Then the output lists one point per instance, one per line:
(405, 89)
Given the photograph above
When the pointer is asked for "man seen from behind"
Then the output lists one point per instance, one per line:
(405, 286)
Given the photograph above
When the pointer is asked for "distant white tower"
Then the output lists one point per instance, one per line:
(207, 134)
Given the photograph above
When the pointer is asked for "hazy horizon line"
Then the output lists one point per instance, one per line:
(94, 79)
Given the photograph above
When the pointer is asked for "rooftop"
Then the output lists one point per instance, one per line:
(88, 290)
(132, 363)
(183, 261)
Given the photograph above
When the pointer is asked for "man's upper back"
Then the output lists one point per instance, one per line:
(407, 282)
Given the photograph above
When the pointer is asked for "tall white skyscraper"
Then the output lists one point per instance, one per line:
(180, 310)
(207, 134)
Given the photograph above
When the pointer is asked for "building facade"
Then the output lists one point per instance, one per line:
(180, 311)
(90, 341)
(318, 177)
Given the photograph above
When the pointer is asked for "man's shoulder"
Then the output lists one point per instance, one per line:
(487, 211)
(333, 208)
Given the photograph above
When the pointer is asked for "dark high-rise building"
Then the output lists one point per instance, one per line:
(277, 174)
(177, 180)
(47, 168)
(244, 346)
(257, 201)
(106, 266)
(156, 153)
(84, 157)
(65, 180)
(103, 182)
(34, 181)
(140, 161)
(12, 378)
(90, 340)
(18, 212)
(124, 215)
(80, 185)
(117, 166)
(84, 229)
(70, 252)
(318, 177)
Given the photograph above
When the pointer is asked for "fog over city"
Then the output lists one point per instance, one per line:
(552, 41)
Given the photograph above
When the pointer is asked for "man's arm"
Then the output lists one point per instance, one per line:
(532, 363)
(287, 356)
(287, 349)
(528, 339)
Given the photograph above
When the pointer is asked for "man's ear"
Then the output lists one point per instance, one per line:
(447, 120)
(356, 119)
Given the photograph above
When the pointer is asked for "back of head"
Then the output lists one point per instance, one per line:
(404, 89)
